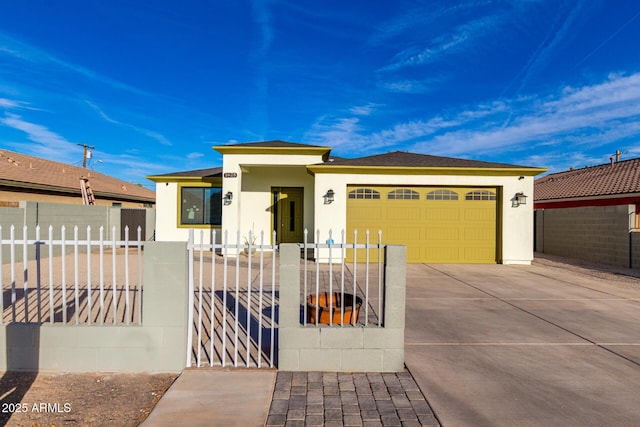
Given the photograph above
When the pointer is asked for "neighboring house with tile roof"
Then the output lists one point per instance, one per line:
(29, 178)
(591, 213)
(443, 209)
(614, 183)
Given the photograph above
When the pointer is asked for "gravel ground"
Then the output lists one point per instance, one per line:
(39, 400)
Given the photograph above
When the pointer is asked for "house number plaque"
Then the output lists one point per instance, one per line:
(230, 175)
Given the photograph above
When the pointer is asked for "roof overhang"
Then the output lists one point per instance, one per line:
(167, 178)
(407, 170)
(575, 202)
(239, 149)
(73, 191)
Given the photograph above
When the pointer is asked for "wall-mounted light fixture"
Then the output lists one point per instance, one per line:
(518, 199)
(329, 197)
(227, 198)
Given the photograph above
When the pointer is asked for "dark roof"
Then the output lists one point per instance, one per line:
(620, 178)
(275, 144)
(21, 170)
(197, 173)
(405, 159)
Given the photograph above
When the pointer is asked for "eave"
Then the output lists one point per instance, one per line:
(305, 151)
(72, 191)
(183, 179)
(408, 170)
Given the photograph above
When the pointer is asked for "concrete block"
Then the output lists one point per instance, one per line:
(52, 336)
(393, 360)
(137, 337)
(383, 338)
(288, 360)
(320, 360)
(23, 358)
(300, 337)
(341, 337)
(74, 360)
(362, 360)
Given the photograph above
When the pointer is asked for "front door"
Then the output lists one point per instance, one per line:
(288, 214)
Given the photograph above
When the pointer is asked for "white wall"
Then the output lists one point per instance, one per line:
(517, 223)
(251, 188)
(167, 229)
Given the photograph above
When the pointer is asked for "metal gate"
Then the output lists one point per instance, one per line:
(133, 218)
(233, 302)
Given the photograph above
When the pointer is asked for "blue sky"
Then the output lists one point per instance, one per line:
(153, 85)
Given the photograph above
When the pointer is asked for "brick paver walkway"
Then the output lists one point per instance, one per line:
(346, 399)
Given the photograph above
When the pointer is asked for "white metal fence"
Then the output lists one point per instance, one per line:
(232, 302)
(86, 281)
(341, 293)
(233, 294)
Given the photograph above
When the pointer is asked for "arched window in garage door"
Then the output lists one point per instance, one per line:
(480, 195)
(442, 195)
(364, 193)
(403, 194)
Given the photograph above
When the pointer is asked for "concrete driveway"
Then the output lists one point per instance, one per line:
(495, 345)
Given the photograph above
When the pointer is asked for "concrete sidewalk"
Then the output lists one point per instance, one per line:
(205, 398)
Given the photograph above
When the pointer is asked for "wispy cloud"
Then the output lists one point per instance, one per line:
(48, 144)
(22, 51)
(422, 17)
(151, 134)
(412, 86)
(456, 40)
(558, 31)
(262, 18)
(573, 119)
(363, 110)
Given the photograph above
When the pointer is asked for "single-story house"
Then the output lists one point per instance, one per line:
(33, 179)
(591, 213)
(443, 209)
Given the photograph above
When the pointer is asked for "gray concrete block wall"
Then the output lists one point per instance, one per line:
(635, 250)
(596, 233)
(353, 349)
(159, 345)
(58, 214)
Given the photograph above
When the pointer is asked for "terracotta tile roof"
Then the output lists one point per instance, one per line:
(402, 159)
(20, 170)
(620, 178)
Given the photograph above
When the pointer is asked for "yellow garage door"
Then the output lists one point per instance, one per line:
(437, 225)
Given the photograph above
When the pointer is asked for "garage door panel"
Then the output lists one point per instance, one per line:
(478, 234)
(487, 214)
(441, 214)
(398, 213)
(435, 229)
(444, 233)
(402, 234)
(442, 254)
(479, 254)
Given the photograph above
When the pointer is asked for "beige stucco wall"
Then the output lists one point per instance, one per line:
(256, 174)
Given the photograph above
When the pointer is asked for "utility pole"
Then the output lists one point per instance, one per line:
(84, 155)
